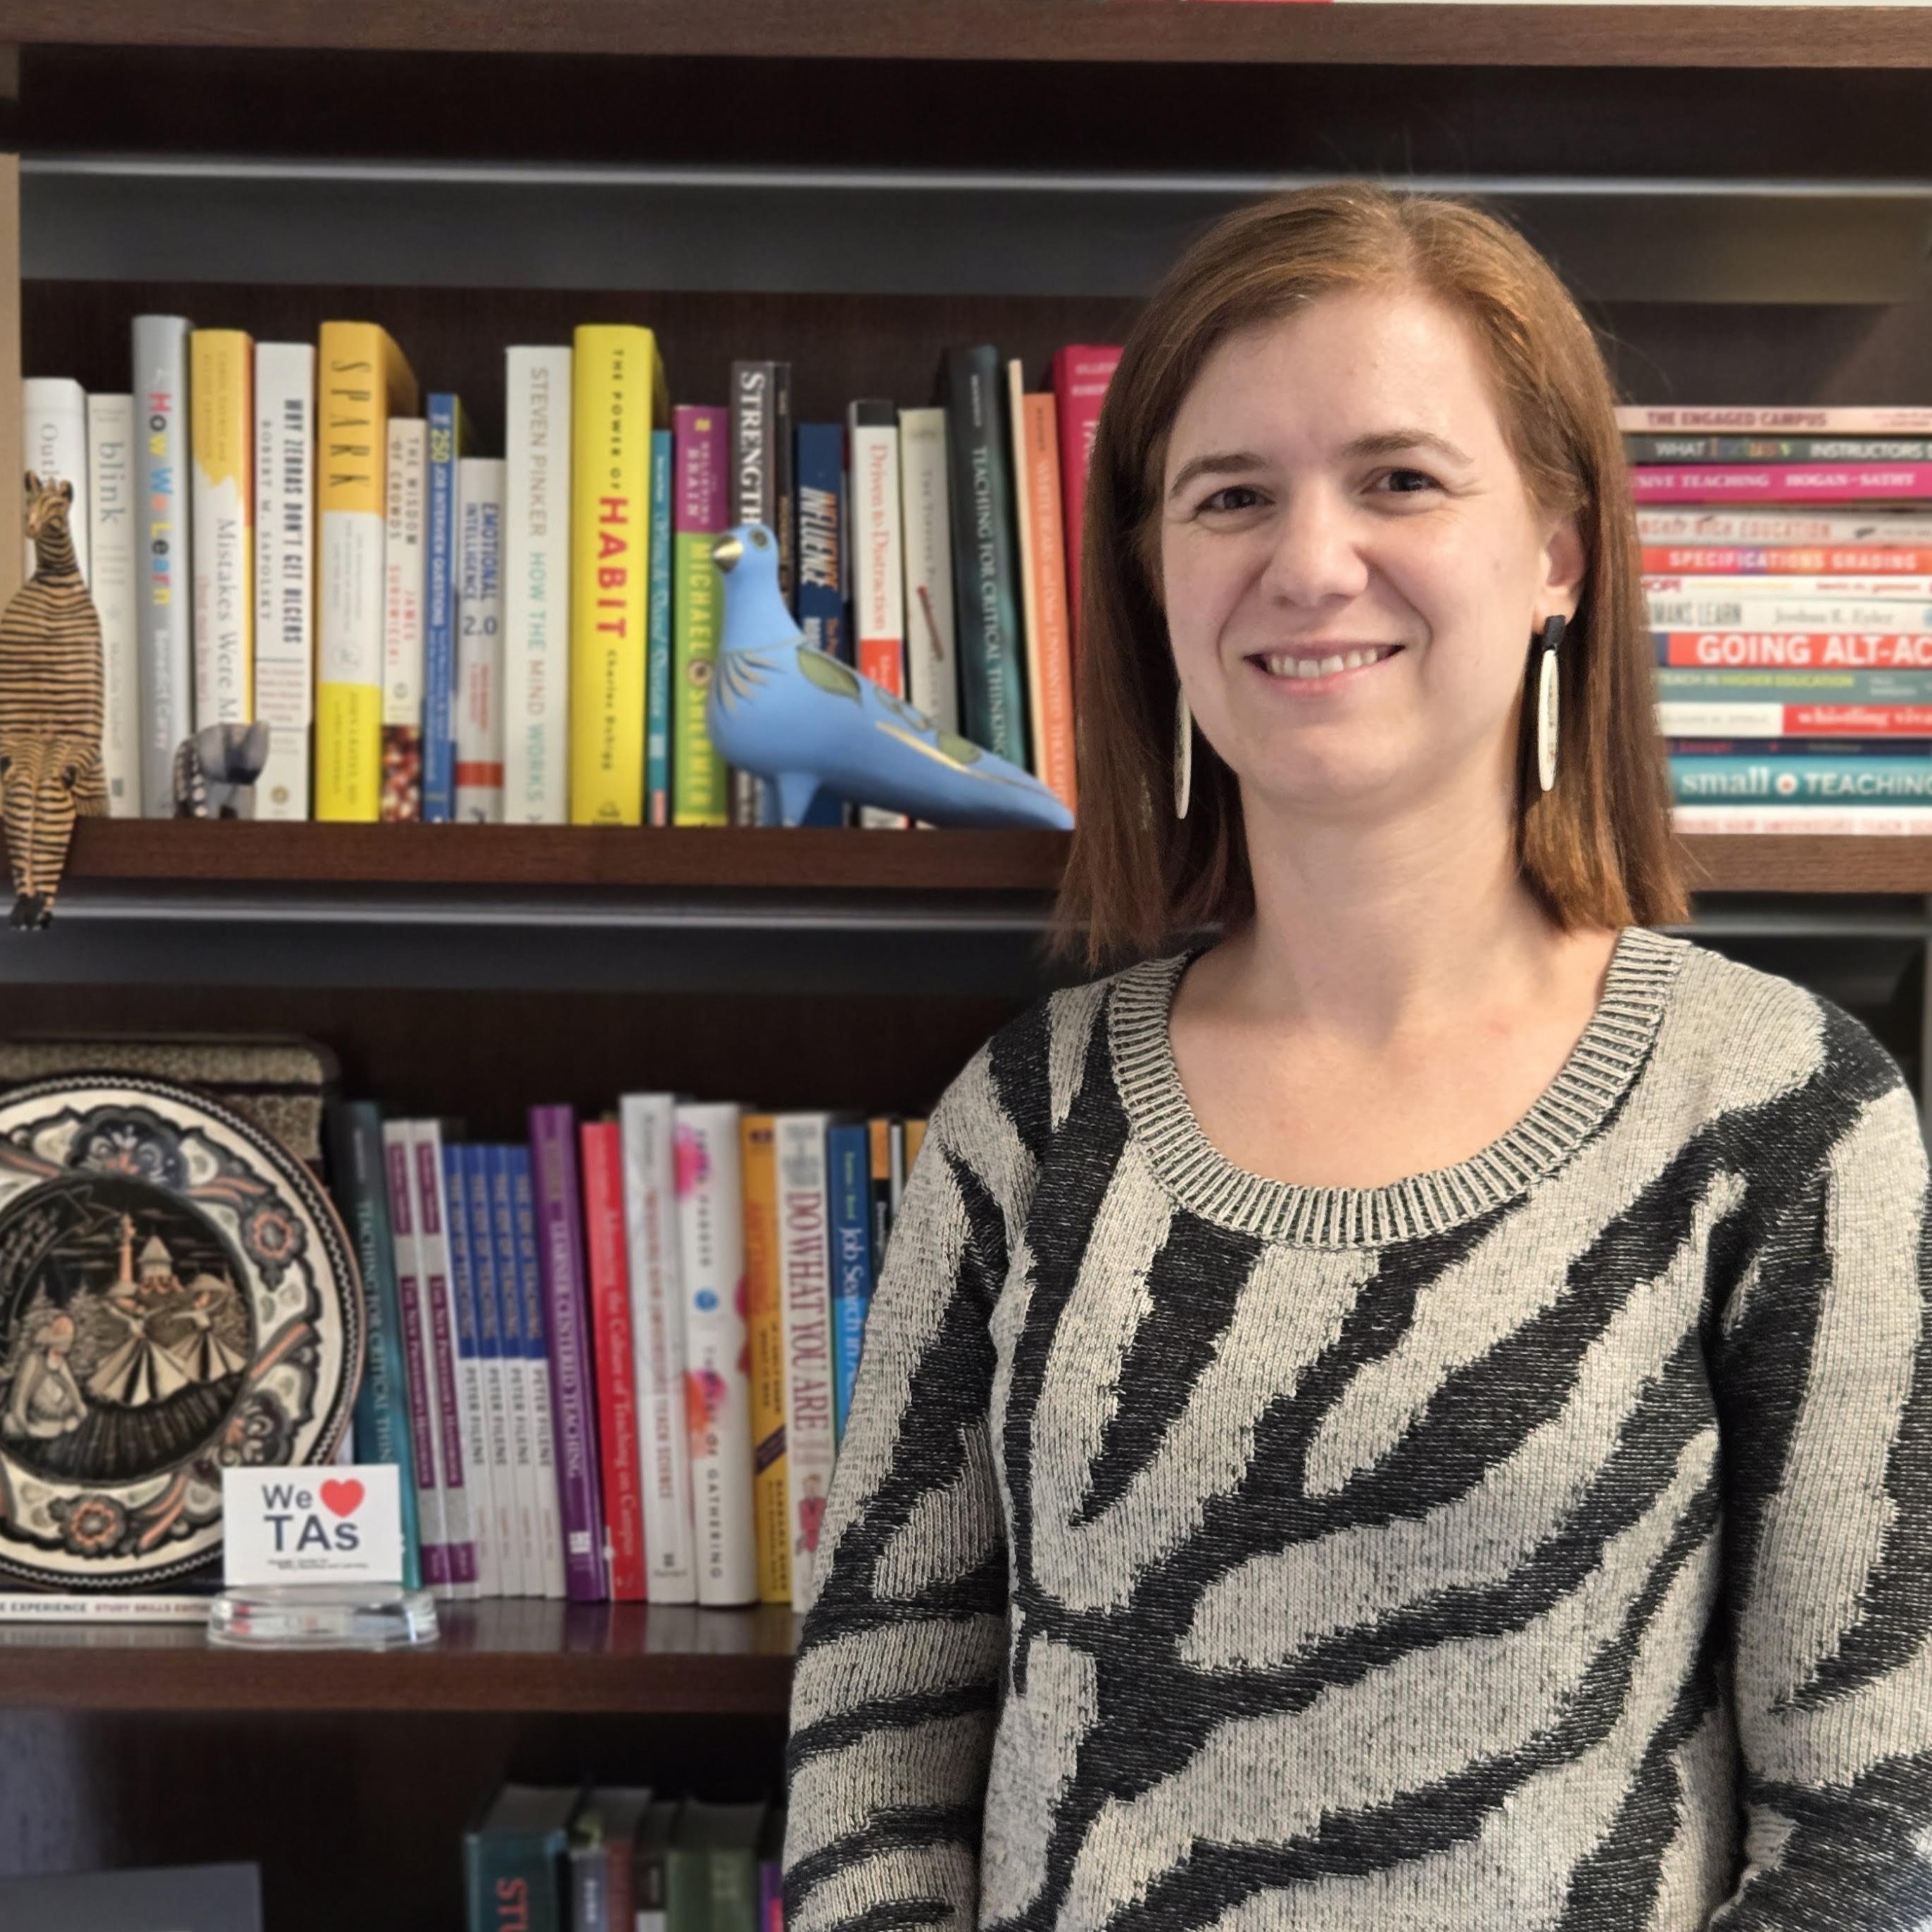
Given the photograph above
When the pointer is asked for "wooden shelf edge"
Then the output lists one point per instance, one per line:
(1042, 31)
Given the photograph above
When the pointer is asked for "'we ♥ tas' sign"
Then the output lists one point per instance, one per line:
(323, 1524)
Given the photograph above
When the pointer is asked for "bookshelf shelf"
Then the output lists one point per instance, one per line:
(960, 871)
(520, 1656)
(1161, 31)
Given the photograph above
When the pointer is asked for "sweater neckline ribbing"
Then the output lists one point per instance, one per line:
(1598, 1070)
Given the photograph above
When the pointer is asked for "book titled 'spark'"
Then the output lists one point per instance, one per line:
(184, 1898)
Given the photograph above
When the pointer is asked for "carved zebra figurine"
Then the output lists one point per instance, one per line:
(50, 708)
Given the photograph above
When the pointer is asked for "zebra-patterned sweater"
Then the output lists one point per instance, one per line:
(1542, 1541)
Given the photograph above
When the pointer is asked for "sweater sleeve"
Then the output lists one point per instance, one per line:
(1823, 1366)
(897, 1684)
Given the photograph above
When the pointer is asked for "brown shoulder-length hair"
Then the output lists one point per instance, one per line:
(1598, 850)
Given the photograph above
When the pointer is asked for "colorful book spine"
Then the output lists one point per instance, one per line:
(805, 1266)
(418, 1356)
(618, 385)
(764, 1320)
(514, 1863)
(879, 1147)
(1882, 419)
(1642, 449)
(657, 1316)
(284, 470)
(1781, 482)
(363, 381)
(710, 1215)
(762, 456)
(700, 794)
(53, 434)
(1794, 687)
(1902, 821)
(1806, 778)
(1786, 560)
(221, 382)
(1698, 610)
(443, 536)
(406, 492)
(984, 578)
(849, 1175)
(1746, 525)
(1043, 559)
(111, 584)
(438, 1295)
(614, 1351)
(164, 600)
(820, 548)
(877, 563)
(542, 1386)
(1735, 720)
(1795, 650)
(479, 641)
(472, 1377)
(932, 653)
(1808, 749)
(473, 1171)
(536, 587)
(523, 1487)
(359, 1181)
(657, 638)
(1082, 373)
(558, 1200)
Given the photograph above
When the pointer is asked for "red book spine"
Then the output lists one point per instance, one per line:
(1080, 374)
(1781, 482)
(603, 1154)
(1785, 560)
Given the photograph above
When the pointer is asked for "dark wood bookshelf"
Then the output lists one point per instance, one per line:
(508, 1656)
(239, 855)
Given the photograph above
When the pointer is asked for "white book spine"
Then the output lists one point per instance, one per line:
(657, 1328)
(419, 1354)
(523, 1471)
(1745, 525)
(1669, 612)
(805, 1298)
(1016, 442)
(536, 587)
(1830, 821)
(164, 611)
(505, 1543)
(932, 656)
(110, 503)
(1727, 419)
(479, 644)
(1769, 589)
(285, 573)
(711, 1234)
(53, 434)
(877, 575)
(458, 1399)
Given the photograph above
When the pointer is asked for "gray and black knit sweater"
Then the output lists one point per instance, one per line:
(1545, 1541)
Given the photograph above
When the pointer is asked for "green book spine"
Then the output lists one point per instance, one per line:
(734, 1889)
(687, 1889)
(699, 784)
(986, 571)
(511, 1881)
(657, 633)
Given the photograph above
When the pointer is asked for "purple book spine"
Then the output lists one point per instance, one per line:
(422, 1404)
(566, 1303)
(449, 1393)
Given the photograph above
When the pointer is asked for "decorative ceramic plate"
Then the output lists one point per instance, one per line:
(176, 1295)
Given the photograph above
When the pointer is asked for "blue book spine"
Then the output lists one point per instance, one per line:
(821, 546)
(657, 639)
(358, 1175)
(489, 1346)
(848, 1158)
(470, 1378)
(1804, 780)
(439, 586)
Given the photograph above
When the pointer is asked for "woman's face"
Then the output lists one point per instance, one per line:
(1352, 567)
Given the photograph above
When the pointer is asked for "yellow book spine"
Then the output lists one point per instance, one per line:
(618, 397)
(221, 433)
(361, 380)
(771, 1498)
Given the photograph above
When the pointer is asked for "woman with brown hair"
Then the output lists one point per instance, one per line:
(1415, 1412)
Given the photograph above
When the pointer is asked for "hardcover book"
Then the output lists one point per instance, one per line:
(543, 1400)
(163, 602)
(53, 435)
(614, 1351)
(455, 1430)
(1082, 373)
(700, 794)
(525, 1490)
(111, 509)
(418, 1359)
(764, 1318)
(284, 468)
(479, 645)
(471, 1170)
(932, 658)
(536, 587)
(449, 437)
(657, 638)
(514, 1867)
(805, 1283)
(221, 384)
(404, 581)
(848, 1161)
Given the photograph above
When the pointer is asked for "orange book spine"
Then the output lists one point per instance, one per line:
(771, 1484)
(1041, 455)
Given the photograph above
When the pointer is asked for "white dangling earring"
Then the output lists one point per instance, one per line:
(1546, 717)
(1183, 752)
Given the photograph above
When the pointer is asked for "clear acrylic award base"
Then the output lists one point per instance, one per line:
(322, 1616)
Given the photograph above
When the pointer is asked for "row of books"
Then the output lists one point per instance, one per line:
(620, 1858)
(615, 1362)
(1787, 561)
(272, 531)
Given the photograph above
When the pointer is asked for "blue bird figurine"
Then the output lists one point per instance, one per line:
(806, 719)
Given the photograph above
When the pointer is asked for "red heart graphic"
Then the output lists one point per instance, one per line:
(343, 1498)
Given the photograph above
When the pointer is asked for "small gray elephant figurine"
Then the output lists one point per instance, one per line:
(51, 708)
(216, 769)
